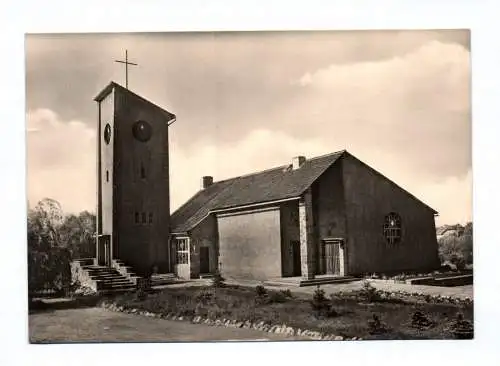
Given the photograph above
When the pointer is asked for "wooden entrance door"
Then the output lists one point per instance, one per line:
(333, 256)
(204, 259)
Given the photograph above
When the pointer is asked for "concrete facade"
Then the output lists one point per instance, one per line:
(250, 244)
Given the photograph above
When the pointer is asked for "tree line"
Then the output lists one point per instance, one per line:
(457, 248)
(54, 240)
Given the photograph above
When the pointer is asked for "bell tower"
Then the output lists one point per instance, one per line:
(133, 202)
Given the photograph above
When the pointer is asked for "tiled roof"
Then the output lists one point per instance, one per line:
(269, 185)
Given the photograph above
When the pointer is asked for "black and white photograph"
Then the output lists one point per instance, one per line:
(260, 185)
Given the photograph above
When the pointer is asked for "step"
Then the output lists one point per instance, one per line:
(94, 268)
(117, 285)
(118, 281)
(326, 281)
(115, 291)
(85, 261)
(104, 272)
(105, 275)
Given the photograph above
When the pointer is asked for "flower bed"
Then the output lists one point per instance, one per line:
(340, 316)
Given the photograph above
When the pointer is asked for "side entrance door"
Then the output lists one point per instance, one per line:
(334, 257)
(182, 258)
(204, 260)
(296, 258)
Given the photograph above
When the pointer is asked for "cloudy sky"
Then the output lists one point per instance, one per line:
(400, 101)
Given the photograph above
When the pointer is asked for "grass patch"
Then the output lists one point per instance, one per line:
(348, 315)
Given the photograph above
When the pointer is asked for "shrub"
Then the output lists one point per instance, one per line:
(277, 297)
(321, 305)
(218, 280)
(260, 291)
(420, 321)
(375, 326)
(263, 297)
(461, 328)
(204, 297)
(370, 293)
(287, 293)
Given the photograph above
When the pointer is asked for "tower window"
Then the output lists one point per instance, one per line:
(107, 175)
(143, 217)
(143, 172)
(150, 217)
(137, 217)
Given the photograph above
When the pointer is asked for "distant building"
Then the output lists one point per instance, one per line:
(331, 215)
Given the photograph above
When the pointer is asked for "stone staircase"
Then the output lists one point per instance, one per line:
(102, 279)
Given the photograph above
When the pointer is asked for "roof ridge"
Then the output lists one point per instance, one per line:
(280, 167)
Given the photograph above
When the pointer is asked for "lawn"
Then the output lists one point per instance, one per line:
(345, 314)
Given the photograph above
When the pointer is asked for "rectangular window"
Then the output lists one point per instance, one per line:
(182, 248)
(107, 175)
(150, 217)
(143, 172)
(137, 217)
(143, 217)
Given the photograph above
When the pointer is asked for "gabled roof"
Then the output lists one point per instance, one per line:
(112, 85)
(259, 188)
(266, 186)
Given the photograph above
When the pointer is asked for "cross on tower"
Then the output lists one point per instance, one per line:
(126, 67)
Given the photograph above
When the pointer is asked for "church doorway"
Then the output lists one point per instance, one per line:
(334, 257)
(104, 250)
(204, 260)
(295, 246)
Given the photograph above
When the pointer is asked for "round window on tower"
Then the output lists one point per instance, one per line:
(107, 134)
(142, 131)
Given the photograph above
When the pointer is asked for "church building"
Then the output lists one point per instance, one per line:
(328, 215)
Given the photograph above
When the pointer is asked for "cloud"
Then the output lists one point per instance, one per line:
(400, 101)
(60, 161)
(414, 107)
(262, 149)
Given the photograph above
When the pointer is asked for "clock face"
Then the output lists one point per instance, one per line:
(142, 131)
(107, 134)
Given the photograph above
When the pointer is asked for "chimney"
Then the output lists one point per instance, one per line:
(298, 161)
(206, 181)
